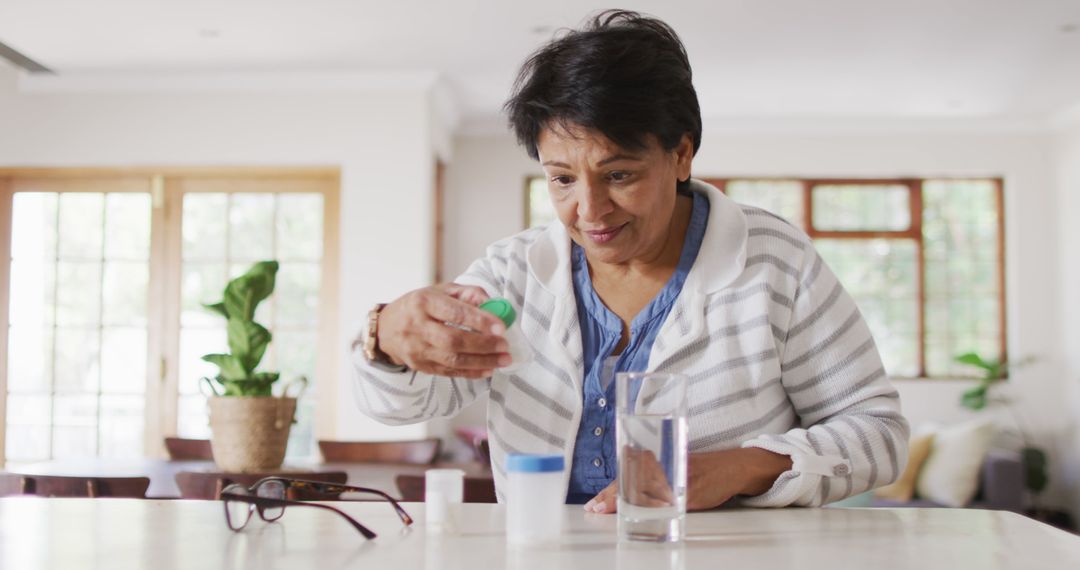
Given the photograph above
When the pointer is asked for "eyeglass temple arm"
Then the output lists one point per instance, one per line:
(336, 488)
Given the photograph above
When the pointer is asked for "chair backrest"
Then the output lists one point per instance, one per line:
(60, 486)
(188, 449)
(208, 485)
(414, 452)
(477, 489)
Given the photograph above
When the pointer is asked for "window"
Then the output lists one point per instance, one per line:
(105, 323)
(923, 258)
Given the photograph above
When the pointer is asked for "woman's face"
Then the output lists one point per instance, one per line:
(617, 204)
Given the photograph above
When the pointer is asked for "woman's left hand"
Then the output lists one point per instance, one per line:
(714, 478)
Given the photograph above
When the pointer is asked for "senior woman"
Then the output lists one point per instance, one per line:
(647, 269)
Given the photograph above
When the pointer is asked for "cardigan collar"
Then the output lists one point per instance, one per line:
(720, 260)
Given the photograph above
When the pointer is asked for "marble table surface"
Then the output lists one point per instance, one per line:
(162, 534)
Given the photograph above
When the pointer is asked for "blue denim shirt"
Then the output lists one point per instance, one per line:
(593, 466)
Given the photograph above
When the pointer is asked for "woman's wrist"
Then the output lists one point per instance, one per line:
(760, 469)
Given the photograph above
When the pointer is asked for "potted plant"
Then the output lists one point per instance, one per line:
(249, 426)
(1032, 457)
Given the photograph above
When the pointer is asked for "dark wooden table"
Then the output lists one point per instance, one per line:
(162, 472)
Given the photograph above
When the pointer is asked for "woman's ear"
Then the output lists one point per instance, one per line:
(684, 156)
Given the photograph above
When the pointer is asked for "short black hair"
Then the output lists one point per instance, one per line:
(624, 75)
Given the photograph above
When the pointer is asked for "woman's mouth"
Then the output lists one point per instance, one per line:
(605, 235)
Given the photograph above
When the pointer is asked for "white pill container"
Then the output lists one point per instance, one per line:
(444, 490)
(537, 493)
(520, 352)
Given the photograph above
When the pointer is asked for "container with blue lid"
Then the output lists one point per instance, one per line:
(534, 503)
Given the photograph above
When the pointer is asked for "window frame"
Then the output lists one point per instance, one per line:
(165, 187)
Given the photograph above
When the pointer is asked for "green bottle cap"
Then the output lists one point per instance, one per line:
(500, 308)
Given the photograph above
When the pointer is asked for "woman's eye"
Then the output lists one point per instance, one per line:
(619, 176)
(561, 180)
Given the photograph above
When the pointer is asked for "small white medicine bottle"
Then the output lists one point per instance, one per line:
(537, 493)
(520, 352)
(444, 491)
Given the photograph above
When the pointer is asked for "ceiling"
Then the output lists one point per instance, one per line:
(919, 59)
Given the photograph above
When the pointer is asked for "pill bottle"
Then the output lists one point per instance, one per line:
(537, 493)
(444, 491)
(520, 352)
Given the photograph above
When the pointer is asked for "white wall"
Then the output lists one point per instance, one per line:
(380, 138)
(1068, 186)
(488, 172)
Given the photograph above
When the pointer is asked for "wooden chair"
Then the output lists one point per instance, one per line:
(477, 489)
(188, 449)
(414, 452)
(58, 486)
(208, 484)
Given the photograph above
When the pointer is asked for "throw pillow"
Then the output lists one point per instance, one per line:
(903, 489)
(951, 473)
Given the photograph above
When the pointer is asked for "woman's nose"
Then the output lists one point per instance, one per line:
(593, 203)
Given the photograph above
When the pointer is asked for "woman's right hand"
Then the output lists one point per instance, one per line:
(413, 331)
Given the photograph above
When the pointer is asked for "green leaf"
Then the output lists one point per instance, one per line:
(243, 294)
(974, 360)
(248, 341)
(1035, 473)
(975, 398)
(230, 366)
(218, 308)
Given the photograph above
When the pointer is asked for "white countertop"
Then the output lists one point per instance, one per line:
(129, 533)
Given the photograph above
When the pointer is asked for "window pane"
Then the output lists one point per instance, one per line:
(127, 226)
(78, 294)
(861, 207)
(294, 355)
(27, 443)
(77, 354)
(123, 360)
(960, 230)
(541, 211)
(251, 219)
(296, 295)
(201, 283)
(33, 234)
(781, 197)
(126, 287)
(122, 426)
(192, 419)
(194, 343)
(204, 226)
(33, 283)
(81, 224)
(29, 359)
(300, 227)
(882, 277)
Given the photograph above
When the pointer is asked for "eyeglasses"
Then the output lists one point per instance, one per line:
(268, 497)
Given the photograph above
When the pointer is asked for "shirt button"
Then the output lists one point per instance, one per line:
(597, 462)
(598, 431)
(601, 402)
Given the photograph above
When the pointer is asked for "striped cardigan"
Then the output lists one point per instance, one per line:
(778, 357)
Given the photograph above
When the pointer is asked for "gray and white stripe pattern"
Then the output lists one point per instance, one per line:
(778, 357)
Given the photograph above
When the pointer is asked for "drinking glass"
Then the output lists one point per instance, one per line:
(651, 441)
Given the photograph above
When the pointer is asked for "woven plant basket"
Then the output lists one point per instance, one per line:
(249, 433)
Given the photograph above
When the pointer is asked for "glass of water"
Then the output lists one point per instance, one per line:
(652, 446)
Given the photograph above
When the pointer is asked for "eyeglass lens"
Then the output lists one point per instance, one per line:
(272, 489)
(237, 513)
